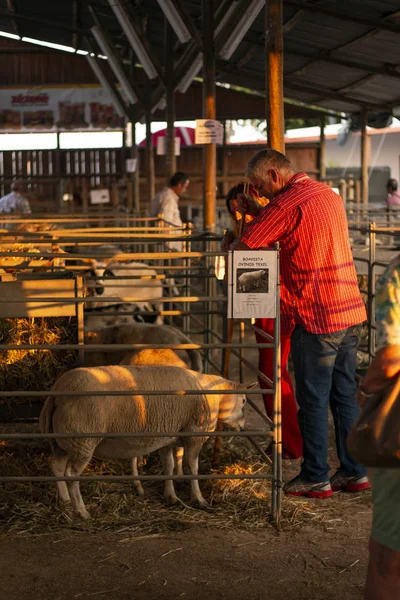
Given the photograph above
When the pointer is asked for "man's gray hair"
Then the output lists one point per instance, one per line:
(268, 159)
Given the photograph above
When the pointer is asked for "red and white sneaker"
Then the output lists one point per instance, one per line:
(346, 483)
(299, 487)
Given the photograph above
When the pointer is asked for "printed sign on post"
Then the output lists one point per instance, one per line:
(130, 165)
(252, 284)
(208, 131)
(100, 196)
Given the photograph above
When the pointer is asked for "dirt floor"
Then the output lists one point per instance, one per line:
(140, 549)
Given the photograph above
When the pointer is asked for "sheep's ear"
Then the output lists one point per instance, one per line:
(251, 386)
(247, 386)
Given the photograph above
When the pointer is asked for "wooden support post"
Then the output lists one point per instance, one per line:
(85, 195)
(210, 150)
(151, 188)
(114, 195)
(169, 73)
(135, 174)
(365, 157)
(343, 190)
(274, 75)
(224, 164)
(322, 151)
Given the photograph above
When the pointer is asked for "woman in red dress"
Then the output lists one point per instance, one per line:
(292, 443)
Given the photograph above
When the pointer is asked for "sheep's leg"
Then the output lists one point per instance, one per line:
(137, 484)
(74, 469)
(167, 461)
(178, 456)
(58, 466)
(192, 451)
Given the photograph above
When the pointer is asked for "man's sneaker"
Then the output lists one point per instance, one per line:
(299, 487)
(347, 483)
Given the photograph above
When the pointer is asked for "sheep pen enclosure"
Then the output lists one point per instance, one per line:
(187, 296)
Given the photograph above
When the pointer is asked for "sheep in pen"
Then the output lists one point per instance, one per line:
(136, 413)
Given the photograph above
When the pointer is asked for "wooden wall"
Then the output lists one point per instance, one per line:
(50, 173)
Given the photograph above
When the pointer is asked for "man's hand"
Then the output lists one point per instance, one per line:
(248, 205)
(238, 245)
(227, 240)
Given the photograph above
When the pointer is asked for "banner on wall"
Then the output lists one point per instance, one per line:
(47, 109)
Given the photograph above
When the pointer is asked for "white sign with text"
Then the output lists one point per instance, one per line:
(208, 131)
(252, 284)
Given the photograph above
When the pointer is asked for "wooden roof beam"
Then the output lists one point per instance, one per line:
(384, 25)
(256, 77)
(326, 56)
(11, 8)
(332, 94)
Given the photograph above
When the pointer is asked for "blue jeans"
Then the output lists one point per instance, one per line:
(324, 367)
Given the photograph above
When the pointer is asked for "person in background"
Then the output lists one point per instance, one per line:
(321, 309)
(383, 577)
(292, 443)
(393, 197)
(16, 202)
(166, 202)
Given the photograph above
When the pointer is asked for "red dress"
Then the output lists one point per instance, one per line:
(292, 441)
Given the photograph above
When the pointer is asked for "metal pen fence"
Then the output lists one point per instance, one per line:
(190, 298)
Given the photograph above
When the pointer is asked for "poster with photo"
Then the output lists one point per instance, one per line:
(50, 108)
(252, 284)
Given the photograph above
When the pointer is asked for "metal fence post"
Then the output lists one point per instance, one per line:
(277, 412)
(371, 290)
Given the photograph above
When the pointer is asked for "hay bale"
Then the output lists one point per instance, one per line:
(35, 370)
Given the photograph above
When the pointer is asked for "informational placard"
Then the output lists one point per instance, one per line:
(100, 196)
(208, 131)
(252, 284)
(130, 165)
(48, 109)
(162, 146)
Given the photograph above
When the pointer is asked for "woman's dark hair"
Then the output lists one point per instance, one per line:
(178, 178)
(232, 194)
(392, 183)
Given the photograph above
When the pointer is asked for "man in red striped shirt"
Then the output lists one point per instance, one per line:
(321, 308)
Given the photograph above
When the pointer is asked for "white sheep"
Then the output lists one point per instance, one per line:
(135, 413)
(139, 333)
(252, 280)
(117, 284)
(145, 358)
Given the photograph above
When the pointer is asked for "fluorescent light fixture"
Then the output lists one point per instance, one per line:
(48, 44)
(104, 82)
(102, 56)
(175, 20)
(91, 139)
(28, 141)
(115, 63)
(242, 27)
(225, 18)
(82, 52)
(133, 38)
(12, 36)
(193, 71)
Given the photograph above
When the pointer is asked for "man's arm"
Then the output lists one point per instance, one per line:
(269, 227)
(238, 245)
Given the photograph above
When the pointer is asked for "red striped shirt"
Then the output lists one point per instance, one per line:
(319, 288)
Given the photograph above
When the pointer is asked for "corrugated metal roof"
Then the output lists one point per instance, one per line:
(338, 55)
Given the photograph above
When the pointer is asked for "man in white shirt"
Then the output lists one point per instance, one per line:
(15, 202)
(166, 202)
